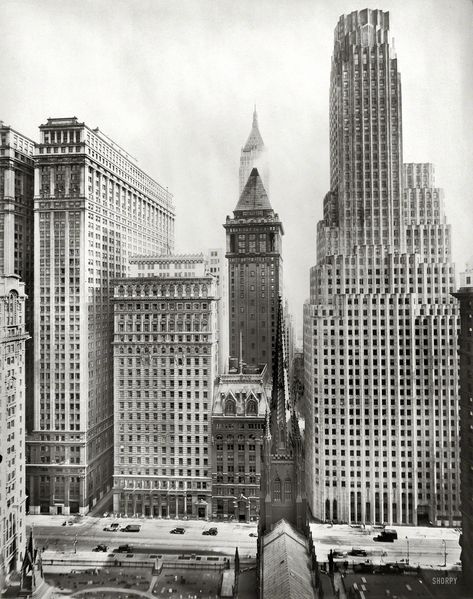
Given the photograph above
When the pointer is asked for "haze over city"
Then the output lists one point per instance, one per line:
(175, 84)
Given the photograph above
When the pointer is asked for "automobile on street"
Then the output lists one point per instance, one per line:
(178, 531)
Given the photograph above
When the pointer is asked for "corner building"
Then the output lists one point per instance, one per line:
(380, 328)
(254, 252)
(93, 208)
(165, 363)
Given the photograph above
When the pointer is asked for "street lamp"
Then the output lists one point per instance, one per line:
(444, 553)
(407, 540)
(75, 543)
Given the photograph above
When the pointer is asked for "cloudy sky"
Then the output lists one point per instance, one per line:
(174, 83)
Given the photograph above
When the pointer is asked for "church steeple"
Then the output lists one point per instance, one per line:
(253, 154)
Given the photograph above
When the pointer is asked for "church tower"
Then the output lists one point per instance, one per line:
(254, 248)
(254, 155)
(282, 483)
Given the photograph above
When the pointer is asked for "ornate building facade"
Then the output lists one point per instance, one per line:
(13, 337)
(165, 363)
(380, 328)
(94, 207)
(239, 412)
(16, 229)
(254, 248)
(283, 480)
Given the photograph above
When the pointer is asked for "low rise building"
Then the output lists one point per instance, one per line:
(239, 412)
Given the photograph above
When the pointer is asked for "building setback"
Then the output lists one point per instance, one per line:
(380, 328)
(165, 362)
(239, 413)
(13, 336)
(254, 248)
(465, 297)
(93, 208)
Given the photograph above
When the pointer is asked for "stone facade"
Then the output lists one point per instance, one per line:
(254, 248)
(165, 363)
(13, 336)
(94, 207)
(239, 412)
(380, 328)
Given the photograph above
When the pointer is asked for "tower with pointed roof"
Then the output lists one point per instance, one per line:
(282, 482)
(253, 155)
(255, 274)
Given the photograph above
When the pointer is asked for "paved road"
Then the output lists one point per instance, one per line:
(425, 546)
(154, 535)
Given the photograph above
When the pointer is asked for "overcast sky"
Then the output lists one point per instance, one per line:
(174, 83)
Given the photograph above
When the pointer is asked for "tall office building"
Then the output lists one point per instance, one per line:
(165, 362)
(380, 328)
(16, 229)
(254, 247)
(16, 281)
(13, 336)
(94, 207)
(465, 297)
(254, 155)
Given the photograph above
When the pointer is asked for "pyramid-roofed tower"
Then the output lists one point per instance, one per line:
(253, 196)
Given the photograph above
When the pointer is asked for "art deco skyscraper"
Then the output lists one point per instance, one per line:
(381, 371)
(94, 207)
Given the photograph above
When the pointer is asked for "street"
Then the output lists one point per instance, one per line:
(424, 546)
(154, 535)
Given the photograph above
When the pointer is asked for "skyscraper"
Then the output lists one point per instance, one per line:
(16, 280)
(381, 371)
(93, 208)
(254, 155)
(254, 248)
(165, 363)
(16, 230)
(13, 336)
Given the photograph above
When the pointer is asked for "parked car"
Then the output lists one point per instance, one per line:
(365, 567)
(211, 531)
(113, 527)
(339, 554)
(358, 552)
(253, 534)
(178, 531)
(103, 548)
(123, 549)
(131, 528)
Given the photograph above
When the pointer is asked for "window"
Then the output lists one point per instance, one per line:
(230, 407)
(277, 490)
